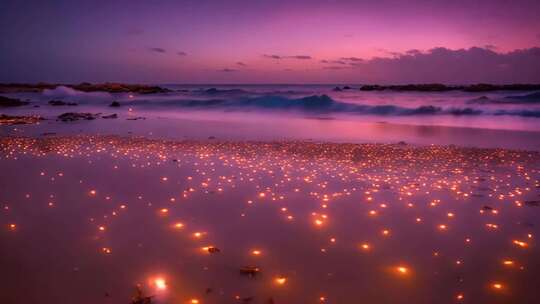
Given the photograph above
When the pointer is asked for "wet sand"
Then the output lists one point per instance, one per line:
(87, 218)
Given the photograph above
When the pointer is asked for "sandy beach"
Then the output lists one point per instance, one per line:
(93, 218)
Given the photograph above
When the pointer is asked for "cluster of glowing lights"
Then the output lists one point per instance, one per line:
(317, 184)
(160, 283)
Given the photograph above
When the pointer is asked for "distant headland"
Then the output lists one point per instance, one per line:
(154, 89)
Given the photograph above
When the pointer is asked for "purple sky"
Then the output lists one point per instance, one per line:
(250, 41)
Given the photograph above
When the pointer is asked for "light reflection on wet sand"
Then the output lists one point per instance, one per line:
(86, 219)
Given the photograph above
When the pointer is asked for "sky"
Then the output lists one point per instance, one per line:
(252, 41)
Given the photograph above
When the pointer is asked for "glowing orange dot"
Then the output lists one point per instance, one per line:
(402, 270)
(93, 192)
(365, 246)
(160, 283)
(508, 262)
(497, 286)
(256, 252)
(194, 301)
(280, 280)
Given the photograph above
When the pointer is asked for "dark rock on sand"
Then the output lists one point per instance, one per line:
(61, 103)
(346, 88)
(136, 118)
(112, 116)
(213, 249)
(11, 102)
(72, 116)
(114, 104)
(250, 270)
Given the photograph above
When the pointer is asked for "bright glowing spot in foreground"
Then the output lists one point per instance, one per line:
(160, 283)
(402, 270)
(497, 286)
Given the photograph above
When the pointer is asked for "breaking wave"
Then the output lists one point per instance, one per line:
(323, 104)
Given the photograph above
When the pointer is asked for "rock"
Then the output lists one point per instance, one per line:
(346, 88)
(337, 89)
(371, 88)
(72, 116)
(250, 270)
(85, 87)
(11, 102)
(211, 137)
(118, 88)
(136, 118)
(112, 116)
(213, 249)
(114, 104)
(61, 103)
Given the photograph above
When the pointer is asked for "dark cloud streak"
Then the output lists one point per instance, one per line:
(157, 50)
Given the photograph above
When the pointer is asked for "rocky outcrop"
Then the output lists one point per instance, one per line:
(61, 103)
(72, 116)
(84, 87)
(11, 102)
